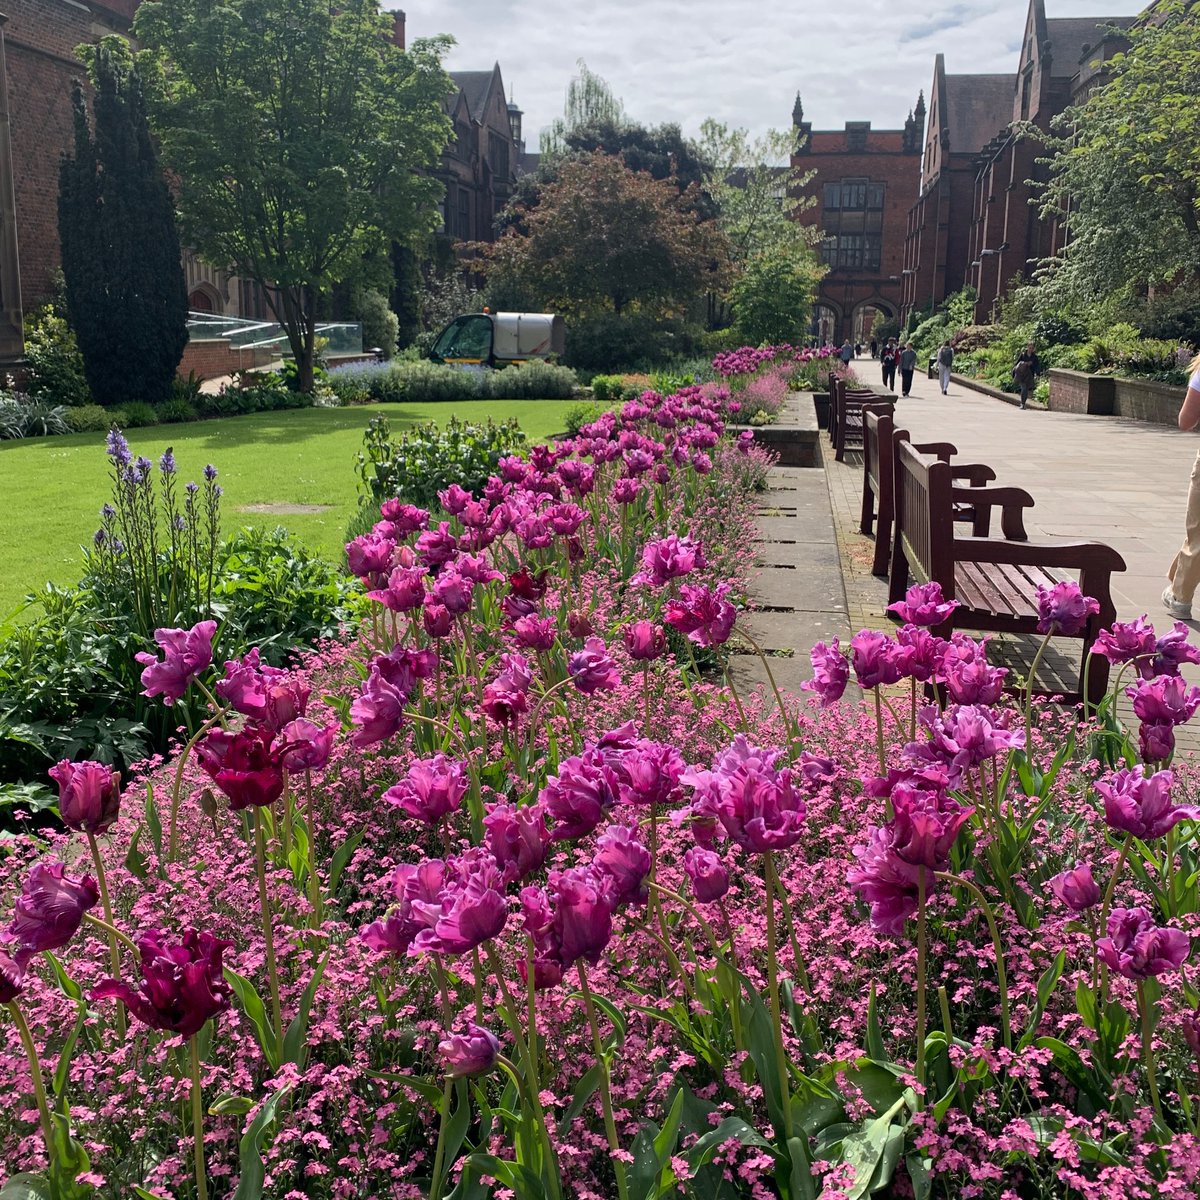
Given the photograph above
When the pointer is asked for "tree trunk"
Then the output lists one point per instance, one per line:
(307, 363)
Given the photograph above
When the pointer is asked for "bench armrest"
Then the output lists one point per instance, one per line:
(1009, 500)
(1080, 556)
(976, 474)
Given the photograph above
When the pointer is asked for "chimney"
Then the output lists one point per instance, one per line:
(398, 28)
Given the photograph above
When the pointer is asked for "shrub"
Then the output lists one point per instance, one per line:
(176, 409)
(426, 460)
(579, 415)
(426, 382)
(611, 343)
(974, 337)
(1053, 329)
(55, 364)
(139, 415)
(360, 382)
(21, 417)
(380, 326)
(90, 418)
(607, 388)
(530, 381)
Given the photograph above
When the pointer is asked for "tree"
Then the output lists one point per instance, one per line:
(1124, 165)
(773, 296)
(590, 101)
(126, 296)
(605, 238)
(298, 131)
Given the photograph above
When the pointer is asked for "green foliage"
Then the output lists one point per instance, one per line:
(56, 374)
(21, 417)
(579, 415)
(90, 418)
(428, 459)
(425, 382)
(139, 415)
(285, 179)
(530, 381)
(380, 326)
(1055, 329)
(630, 342)
(773, 296)
(174, 410)
(606, 389)
(126, 296)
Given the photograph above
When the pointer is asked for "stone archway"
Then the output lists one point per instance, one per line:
(867, 315)
(204, 299)
(826, 320)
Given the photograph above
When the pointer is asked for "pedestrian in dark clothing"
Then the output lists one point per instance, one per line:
(874, 347)
(889, 356)
(908, 362)
(1025, 372)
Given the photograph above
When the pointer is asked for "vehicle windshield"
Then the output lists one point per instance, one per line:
(466, 339)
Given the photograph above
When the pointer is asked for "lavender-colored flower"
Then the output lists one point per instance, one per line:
(577, 798)
(1166, 700)
(210, 472)
(924, 604)
(117, 448)
(1139, 949)
(708, 874)
(166, 464)
(1140, 804)
(831, 673)
(186, 652)
(191, 487)
(182, 983)
(432, 789)
(1064, 609)
(468, 1054)
(592, 669)
(702, 613)
(89, 795)
(875, 659)
(645, 641)
(49, 910)
(1076, 888)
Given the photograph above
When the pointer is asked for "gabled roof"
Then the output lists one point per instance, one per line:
(975, 109)
(1068, 37)
(476, 86)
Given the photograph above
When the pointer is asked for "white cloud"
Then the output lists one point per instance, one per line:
(737, 61)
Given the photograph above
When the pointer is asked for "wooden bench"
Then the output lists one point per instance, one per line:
(994, 581)
(845, 415)
(880, 438)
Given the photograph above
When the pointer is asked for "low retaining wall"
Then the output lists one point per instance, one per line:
(1079, 392)
(986, 389)
(794, 436)
(1144, 400)
(210, 358)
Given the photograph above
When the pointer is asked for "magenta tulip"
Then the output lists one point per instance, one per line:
(186, 652)
(468, 1054)
(1140, 804)
(831, 673)
(1137, 948)
(89, 795)
(432, 789)
(708, 874)
(1064, 609)
(49, 910)
(592, 669)
(623, 858)
(924, 604)
(1076, 888)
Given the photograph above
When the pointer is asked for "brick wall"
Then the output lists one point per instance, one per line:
(210, 358)
(1078, 392)
(1146, 401)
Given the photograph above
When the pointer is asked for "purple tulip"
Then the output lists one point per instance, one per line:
(471, 909)
(625, 490)
(964, 736)
(645, 641)
(1171, 651)
(1191, 1032)
(454, 591)
(305, 746)
(925, 826)
(244, 765)
(669, 558)
(1076, 888)
(12, 977)
(875, 659)
(1064, 609)
(517, 837)
(624, 859)
(49, 910)
(969, 678)
(470, 1053)
(417, 888)
(577, 798)
(405, 590)
(1141, 805)
(649, 772)
(707, 871)
(886, 882)
(920, 654)
(831, 673)
(535, 633)
(432, 789)
(1156, 741)
(182, 983)
(1137, 948)
(244, 686)
(407, 518)
(1128, 641)
(370, 557)
(378, 710)
(1166, 700)
(702, 613)
(592, 669)
(89, 795)
(583, 903)
(454, 499)
(436, 547)
(924, 604)
(186, 652)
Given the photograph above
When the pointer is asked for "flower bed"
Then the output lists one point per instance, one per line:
(508, 895)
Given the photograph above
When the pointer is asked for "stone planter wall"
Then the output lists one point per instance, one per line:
(1144, 400)
(1078, 392)
(794, 436)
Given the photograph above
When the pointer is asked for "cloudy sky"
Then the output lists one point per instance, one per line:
(738, 61)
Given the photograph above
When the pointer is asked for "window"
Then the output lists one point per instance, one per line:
(498, 156)
(833, 195)
(853, 222)
(854, 195)
(852, 252)
(464, 214)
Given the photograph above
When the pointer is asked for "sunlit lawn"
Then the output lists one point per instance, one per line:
(52, 488)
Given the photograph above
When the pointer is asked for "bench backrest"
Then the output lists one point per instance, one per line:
(878, 426)
(924, 516)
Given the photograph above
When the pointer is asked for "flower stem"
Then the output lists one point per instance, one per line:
(198, 1122)
(35, 1071)
(314, 882)
(879, 732)
(785, 1098)
(921, 954)
(113, 932)
(610, 1124)
(435, 1184)
(646, 700)
(264, 901)
(783, 712)
(1148, 1050)
(114, 955)
(173, 840)
(997, 946)
(737, 700)
(1037, 658)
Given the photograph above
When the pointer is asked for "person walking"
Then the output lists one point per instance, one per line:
(1025, 372)
(889, 356)
(908, 363)
(945, 360)
(874, 347)
(1184, 572)
(846, 353)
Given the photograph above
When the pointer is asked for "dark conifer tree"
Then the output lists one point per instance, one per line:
(125, 289)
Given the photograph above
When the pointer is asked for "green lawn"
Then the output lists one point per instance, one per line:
(52, 488)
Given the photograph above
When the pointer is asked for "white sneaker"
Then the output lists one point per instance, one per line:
(1176, 607)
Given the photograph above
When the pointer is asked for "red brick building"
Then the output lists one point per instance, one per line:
(1060, 60)
(864, 183)
(965, 113)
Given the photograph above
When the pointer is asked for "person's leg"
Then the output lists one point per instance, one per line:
(1024, 393)
(943, 376)
(1184, 572)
